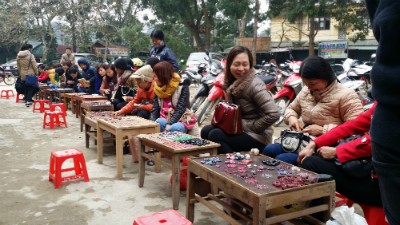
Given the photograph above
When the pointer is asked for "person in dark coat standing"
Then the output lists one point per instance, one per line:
(161, 51)
(385, 128)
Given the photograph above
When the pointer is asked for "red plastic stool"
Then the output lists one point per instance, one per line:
(59, 105)
(167, 217)
(373, 215)
(57, 158)
(7, 94)
(19, 98)
(41, 106)
(54, 119)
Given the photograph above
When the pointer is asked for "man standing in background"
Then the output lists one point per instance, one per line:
(68, 57)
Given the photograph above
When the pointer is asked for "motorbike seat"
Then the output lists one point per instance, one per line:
(267, 79)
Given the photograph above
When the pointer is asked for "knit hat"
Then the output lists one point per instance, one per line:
(145, 73)
(315, 67)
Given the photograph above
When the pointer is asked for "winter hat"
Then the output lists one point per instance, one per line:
(315, 67)
(137, 62)
(145, 73)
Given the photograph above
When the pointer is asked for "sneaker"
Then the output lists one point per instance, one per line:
(27, 104)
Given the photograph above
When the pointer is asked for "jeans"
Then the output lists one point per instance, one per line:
(174, 127)
(275, 151)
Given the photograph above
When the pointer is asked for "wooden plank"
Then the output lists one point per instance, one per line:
(296, 214)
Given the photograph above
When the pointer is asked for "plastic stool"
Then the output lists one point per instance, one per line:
(57, 158)
(54, 119)
(167, 217)
(7, 94)
(41, 106)
(59, 105)
(373, 215)
(19, 98)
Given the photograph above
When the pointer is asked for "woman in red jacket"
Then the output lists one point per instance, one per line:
(319, 156)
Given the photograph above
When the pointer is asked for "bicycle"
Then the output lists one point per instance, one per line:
(8, 78)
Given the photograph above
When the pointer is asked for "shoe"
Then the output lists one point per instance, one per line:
(150, 163)
(27, 104)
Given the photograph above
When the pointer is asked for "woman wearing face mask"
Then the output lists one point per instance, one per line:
(323, 103)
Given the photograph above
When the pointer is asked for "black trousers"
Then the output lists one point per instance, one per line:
(230, 143)
(29, 92)
(360, 190)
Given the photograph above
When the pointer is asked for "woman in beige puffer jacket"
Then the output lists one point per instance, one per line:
(322, 104)
(26, 64)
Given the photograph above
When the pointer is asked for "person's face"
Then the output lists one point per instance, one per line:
(68, 51)
(74, 75)
(83, 66)
(240, 66)
(109, 72)
(315, 84)
(65, 67)
(156, 79)
(119, 71)
(141, 83)
(102, 72)
(156, 42)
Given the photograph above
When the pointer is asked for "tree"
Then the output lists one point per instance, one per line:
(296, 10)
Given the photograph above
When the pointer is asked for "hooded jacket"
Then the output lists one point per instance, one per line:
(89, 73)
(26, 64)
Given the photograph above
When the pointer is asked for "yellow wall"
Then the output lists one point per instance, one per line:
(293, 34)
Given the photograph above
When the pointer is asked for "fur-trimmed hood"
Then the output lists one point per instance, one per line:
(238, 86)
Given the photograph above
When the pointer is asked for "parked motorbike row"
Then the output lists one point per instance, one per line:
(283, 83)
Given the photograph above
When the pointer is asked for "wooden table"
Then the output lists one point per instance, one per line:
(80, 98)
(122, 127)
(166, 144)
(88, 106)
(259, 200)
(59, 93)
(68, 99)
(42, 88)
(54, 93)
(90, 122)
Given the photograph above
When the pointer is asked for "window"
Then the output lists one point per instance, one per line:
(320, 23)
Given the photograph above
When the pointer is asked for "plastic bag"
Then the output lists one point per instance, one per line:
(343, 215)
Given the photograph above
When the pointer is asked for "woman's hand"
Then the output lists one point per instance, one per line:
(327, 152)
(294, 124)
(306, 152)
(314, 130)
(106, 91)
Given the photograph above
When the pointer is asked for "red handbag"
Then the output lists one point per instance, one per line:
(227, 117)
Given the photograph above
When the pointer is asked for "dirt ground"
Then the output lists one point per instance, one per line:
(27, 197)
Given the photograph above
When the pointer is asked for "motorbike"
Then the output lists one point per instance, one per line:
(8, 78)
(206, 83)
(195, 76)
(291, 88)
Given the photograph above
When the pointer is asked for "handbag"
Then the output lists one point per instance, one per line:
(227, 117)
(124, 91)
(31, 79)
(20, 86)
(293, 141)
(358, 168)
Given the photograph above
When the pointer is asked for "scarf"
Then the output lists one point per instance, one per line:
(167, 90)
(238, 87)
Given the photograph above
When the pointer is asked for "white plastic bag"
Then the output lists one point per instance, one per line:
(343, 215)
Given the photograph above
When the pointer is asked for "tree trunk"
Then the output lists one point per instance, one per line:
(311, 37)
(193, 29)
(207, 24)
(73, 30)
(242, 25)
(255, 27)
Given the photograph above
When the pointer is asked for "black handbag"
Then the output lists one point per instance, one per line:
(124, 91)
(293, 141)
(358, 168)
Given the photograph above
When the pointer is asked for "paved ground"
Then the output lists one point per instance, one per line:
(27, 197)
